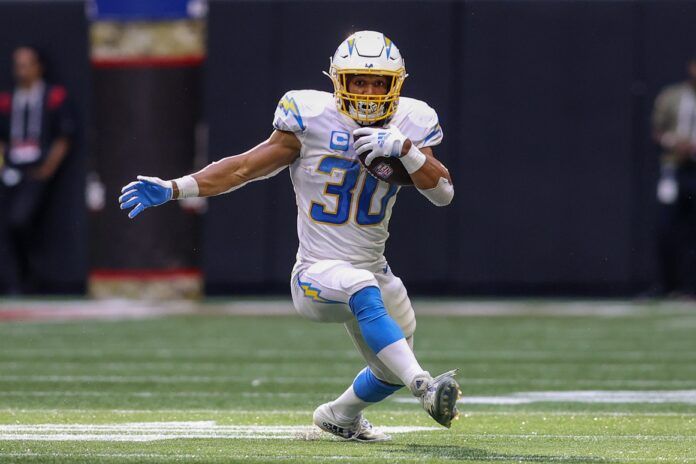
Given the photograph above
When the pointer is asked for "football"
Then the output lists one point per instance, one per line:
(389, 170)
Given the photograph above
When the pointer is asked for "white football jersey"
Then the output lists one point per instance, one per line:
(342, 211)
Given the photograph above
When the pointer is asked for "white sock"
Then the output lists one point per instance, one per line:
(399, 358)
(347, 406)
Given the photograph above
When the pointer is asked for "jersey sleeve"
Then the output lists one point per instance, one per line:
(288, 114)
(424, 126)
(60, 115)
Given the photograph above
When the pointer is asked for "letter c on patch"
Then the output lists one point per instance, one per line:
(339, 140)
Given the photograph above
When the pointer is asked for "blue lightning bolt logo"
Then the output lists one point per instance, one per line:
(289, 106)
(351, 44)
(313, 293)
(388, 44)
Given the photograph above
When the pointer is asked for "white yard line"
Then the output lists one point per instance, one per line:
(528, 436)
(65, 310)
(154, 394)
(386, 457)
(155, 431)
(307, 412)
(221, 411)
(254, 381)
(55, 454)
(580, 396)
(258, 381)
(577, 351)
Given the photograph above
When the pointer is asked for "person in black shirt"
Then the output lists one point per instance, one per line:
(35, 137)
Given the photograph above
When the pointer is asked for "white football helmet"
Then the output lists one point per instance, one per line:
(367, 52)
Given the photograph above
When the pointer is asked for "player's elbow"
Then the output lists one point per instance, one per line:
(443, 201)
(440, 195)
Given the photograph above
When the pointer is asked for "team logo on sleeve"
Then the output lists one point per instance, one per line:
(289, 106)
(340, 140)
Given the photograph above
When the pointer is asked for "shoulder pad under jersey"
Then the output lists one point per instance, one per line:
(297, 108)
(419, 122)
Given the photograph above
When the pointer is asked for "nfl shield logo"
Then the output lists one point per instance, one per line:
(383, 171)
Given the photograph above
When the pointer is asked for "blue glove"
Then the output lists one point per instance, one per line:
(144, 193)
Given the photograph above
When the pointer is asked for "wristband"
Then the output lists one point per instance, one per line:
(413, 160)
(188, 187)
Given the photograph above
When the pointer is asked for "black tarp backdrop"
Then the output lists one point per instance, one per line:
(547, 194)
(257, 51)
(59, 29)
(545, 108)
(144, 125)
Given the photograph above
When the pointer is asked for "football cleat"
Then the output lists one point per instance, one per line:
(359, 429)
(438, 396)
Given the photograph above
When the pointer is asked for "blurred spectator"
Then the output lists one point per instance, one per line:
(35, 131)
(674, 128)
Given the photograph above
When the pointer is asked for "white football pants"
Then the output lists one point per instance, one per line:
(321, 292)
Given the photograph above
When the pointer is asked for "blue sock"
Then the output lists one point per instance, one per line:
(376, 326)
(370, 389)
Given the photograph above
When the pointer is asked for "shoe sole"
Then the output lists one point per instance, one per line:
(446, 399)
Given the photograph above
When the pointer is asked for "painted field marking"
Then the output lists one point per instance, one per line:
(115, 455)
(307, 412)
(386, 457)
(578, 351)
(224, 412)
(258, 381)
(59, 311)
(154, 394)
(552, 436)
(580, 396)
(155, 431)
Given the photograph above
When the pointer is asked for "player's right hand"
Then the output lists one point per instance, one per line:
(144, 193)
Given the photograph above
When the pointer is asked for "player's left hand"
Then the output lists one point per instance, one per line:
(381, 141)
(144, 193)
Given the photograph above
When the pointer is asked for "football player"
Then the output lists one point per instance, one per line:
(341, 274)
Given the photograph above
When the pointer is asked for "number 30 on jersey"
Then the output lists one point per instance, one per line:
(343, 192)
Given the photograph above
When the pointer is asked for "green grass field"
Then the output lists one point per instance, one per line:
(617, 386)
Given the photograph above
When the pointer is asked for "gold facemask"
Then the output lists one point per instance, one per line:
(367, 109)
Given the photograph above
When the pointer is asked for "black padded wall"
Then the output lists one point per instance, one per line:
(545, 107)
(59, 30)
(256, 52)
(545, 190)
(144, 124)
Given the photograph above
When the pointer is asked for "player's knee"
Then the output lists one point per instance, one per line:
(407, 324)
(367, 304)
(356, 280)
(376, 326)
(399, 305)
(340, 276)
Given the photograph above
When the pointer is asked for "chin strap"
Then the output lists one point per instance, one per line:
(441, 194)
